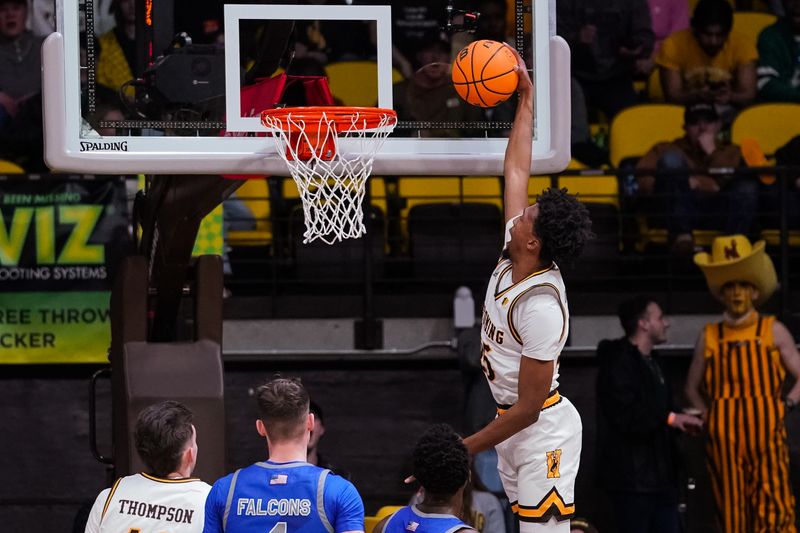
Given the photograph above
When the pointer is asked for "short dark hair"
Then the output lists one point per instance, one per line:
(710, 12)
(631, 311)
(162, 432)
(284, 405)
(694, 113)
(441, 461)
(563, 226)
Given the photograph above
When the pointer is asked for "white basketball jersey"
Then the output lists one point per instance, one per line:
(148, 504)
(530, 317)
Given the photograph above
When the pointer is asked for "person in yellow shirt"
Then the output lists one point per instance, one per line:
(736, 382)
(708, 62)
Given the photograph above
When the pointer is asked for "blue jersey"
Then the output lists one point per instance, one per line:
(294, 497)
(410, 519)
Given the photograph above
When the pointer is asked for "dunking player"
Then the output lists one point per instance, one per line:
(537, 432)
(285, 493)
(165, 498)
(441, 465)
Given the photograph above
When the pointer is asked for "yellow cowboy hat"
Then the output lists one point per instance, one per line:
(733, 258)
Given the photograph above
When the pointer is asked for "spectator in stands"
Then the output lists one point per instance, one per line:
(20, 60)
(21, 139)
(636, 416)
(779, 57)
(429, 95)
(786, 156)
(709, 63)
(736, 381)
(492, 22)
(329, 41)
(667, 17)
(441, 465)
(327, 502)
(314, 457)
(116, 59)
(166, 440)
(688, 200)
(43, 17)
(607, 38)
(413, 21)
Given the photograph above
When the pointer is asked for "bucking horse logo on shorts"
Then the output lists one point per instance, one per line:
(553, 462)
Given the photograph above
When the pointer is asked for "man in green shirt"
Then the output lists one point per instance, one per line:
(779, 57)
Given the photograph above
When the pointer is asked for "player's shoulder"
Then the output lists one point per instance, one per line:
(335, 481)
(545, 292)
(223, 483)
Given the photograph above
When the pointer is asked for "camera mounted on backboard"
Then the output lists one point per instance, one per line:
(459, 20)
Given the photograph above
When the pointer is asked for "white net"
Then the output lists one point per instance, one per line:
(331, 182)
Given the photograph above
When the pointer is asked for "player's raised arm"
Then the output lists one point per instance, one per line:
(517, 165)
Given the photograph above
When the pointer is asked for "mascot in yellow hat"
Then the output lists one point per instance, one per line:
(736, 380)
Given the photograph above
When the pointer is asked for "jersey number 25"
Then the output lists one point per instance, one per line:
(486, 365)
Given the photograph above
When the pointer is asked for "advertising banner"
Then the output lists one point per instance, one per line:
(60, 241)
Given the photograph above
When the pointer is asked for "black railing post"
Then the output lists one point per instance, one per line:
(783, 178)
(369, 332)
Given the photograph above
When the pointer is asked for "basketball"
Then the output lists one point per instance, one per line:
(483, 73)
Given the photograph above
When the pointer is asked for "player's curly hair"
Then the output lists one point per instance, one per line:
(562, 225)
(441, 461)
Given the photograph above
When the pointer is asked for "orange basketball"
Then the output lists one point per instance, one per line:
(483, 73)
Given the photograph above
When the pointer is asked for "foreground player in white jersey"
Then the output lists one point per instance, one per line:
(525, 324)
(166, 499)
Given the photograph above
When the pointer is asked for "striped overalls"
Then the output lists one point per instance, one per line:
(748, 456)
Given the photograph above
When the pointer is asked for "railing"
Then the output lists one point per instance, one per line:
(434, 252)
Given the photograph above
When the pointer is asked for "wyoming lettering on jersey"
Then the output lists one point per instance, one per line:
(501, 341)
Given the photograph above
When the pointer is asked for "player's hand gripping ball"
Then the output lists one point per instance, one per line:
(483, 73)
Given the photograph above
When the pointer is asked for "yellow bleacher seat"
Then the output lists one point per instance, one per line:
(636, 129)
(355, 83)
(418, 190)
(594, 189)
(772, 125)
(750, 24)
(773, 237)
(536, 184)
(371, 521)
(255, 195)
(702, 237)
(7, 167)
(655, 92)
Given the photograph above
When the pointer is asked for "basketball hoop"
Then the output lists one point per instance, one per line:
(329, 152)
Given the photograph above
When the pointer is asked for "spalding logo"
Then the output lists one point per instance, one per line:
(94, 146)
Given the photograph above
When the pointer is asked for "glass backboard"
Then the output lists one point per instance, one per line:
(175, 86)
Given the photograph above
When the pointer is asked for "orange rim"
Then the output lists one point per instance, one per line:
(342, 116)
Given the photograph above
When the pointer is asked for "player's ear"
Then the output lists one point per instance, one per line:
(189, 456)
(310, 422)
(260, 428)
